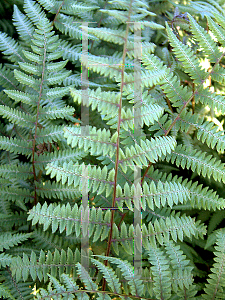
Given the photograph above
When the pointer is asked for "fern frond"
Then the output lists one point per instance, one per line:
(48, 241)
(161, 272)
(21, 96)
(213, 100)
(175, 226)
(207, 132)
(34, 11)
(155, 195)
(109, 275)
(7, 240)
(198, 161)
(133, 279)
(98, 141)
(151, 149)
(5, 259)
(55, 190)
(17, 195)
(205, 41)
(19, 289)
(217, 30)
(215, 286)
(181, 273)
(67, 25)
(5, 292)
(147, 114)
(55, 264)
(187, 57)
(52, 133)
(7, 79)
(72, 173)
(22, 171)
(168, 81)
(60, 156)
(10, 48)
(16, 146)
(23, 24)
(17, 117)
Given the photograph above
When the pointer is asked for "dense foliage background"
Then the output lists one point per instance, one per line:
(42, 143)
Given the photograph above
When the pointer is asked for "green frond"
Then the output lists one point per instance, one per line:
(48, 240)
(13, 219)
(146, 114)
(15, 146)
(70, 284)
(175, 226)
(109, 35)
(161, 274)
(215, 286)
(17, 195)
(7, 79)
(198, 161)
(52, 133)
(43, 215)
(133, 279)
(21, 96)
(72, 173)
(105, 66)
(215, 220)
(7, 240)
(205, 41)
(51, 6)
(154, 195)
(60, 156)
(213, 100)
(217, 30)
(34, 11)
(9, 47)
(54, 264)
(26, 79)
(75, 8)
(163, 193)
(17, 117)
(206, 131)
(105, 102)
(212, 237)
(146, 118)
(73, 53)
(57, 190)
(167, 80)
(187, 57)
(57, 92)
(22, 171)
(19, 289)
(219, 74)
(23, 24)
(5, 292)
(219, 18)
(204, 198)
(98, 141)
(5, 259)
(59, 77)
(151, 150)
(85, 278)
(110, 276)
(181, 273)
(121, 16)
(56, 112)
(67, 25)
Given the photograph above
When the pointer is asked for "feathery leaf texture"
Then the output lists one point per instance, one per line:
(111, 136)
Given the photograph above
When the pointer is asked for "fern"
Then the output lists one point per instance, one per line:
(116, 147)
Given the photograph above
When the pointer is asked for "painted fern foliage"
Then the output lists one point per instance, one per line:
(112, 150)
